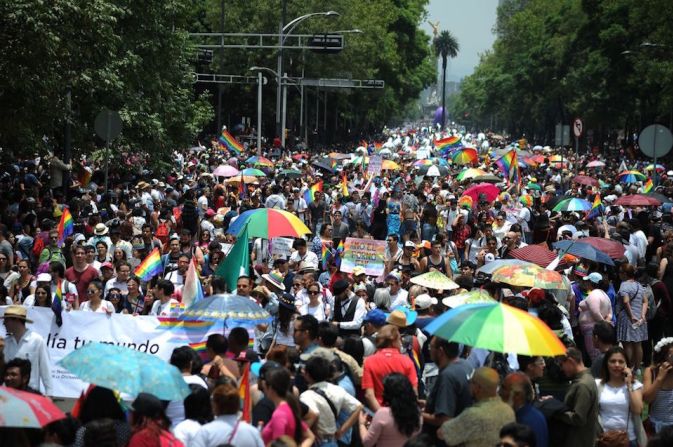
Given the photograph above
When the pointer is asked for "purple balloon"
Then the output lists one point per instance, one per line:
(438, 116)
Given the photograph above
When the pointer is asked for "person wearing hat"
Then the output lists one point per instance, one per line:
(596, 307)
(22, 342)
(100, 234)
(386, 360)
(283, 325)
(349, 309)
(373, 321)
(406, 259)
(274, 282)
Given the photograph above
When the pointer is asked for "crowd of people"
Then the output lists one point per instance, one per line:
(345, 358)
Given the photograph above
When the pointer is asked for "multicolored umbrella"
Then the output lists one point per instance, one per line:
(573, 204)
(253, 172)
(482, 190)
(585, 180)
(433, 171)
(26, 410)
(631, 177)
(259, 161)
(226, 171)
(637, 200)
(465, 156)
(237, 179)
(490, 267)
(424, 162)
(471, 297)
(465, 202)
(595, 164)
(236, 310)
(614, 249)
(390, 165)
(268, 223)
(435, 280)
(528, 276)
(126, 370)
(497, 327)
(660, 168)
(469, 173)
(488, 178)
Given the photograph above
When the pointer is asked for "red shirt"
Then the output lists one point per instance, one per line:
(81, 280)
(383, 362)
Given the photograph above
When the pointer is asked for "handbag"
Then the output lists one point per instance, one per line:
(615, 438)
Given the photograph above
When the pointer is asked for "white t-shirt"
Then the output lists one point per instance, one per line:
(614, 407)
(524, 218)
(318, 311)
(105, 307)
(186, 430)
(162, 309)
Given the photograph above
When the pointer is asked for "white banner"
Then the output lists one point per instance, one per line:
(158, 336)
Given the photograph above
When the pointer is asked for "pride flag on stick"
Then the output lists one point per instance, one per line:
(65, 227)
(150, 266)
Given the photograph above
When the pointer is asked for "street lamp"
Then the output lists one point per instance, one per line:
(259, 104)
(284, 32)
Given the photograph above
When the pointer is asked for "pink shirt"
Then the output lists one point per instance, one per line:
(596, 307)
(383, 430)
(282, 423)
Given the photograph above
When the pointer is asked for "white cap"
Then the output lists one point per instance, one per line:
(44, 277)
(424, 301)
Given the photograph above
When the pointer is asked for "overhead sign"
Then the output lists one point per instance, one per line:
(655, 141)
(326, 43)
(578, 128)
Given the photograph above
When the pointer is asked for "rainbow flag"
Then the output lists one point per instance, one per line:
(333, 163)
(309, 194)
(244, 394)
(228, 142)
(596, 208)
(150, 266)
(200, 348)
(57, 303)
(344, 186)
(648, 186)
(192, 290)
(325, 255)
(445, 144)
(509, 165)
(66, 226)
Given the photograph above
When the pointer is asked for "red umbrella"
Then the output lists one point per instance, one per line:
(614, 249)
(586, 180)
(637, 200)
(488, 190)
(537, 254)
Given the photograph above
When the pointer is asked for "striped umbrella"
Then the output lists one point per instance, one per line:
(268, 223)
(631, 177)
(497, 327)
(537, 254)
(660, 168)
(573, 204)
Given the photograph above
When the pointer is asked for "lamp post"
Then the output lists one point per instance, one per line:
(284, 32)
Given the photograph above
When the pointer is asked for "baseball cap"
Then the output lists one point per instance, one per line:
(594, 277)
(409, 244)
(376, 317)
(424, 301)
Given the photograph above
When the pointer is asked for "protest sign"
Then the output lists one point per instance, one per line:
(157, 336)
(366, 253)
(375, 165)
(281, 247)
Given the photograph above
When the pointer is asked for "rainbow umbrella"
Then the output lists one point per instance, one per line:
(424, 162)
(465, 156)
(650, 167)
(469, 173)
(471, 297)
(526, 200)
(497, 327)
(631, 177)
(573, 204)
(259, 161)
(268, 223)
(253, 172)
(528, 275)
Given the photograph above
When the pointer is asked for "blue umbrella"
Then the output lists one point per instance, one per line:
(126, 370)
(235, 310)
(584, 250)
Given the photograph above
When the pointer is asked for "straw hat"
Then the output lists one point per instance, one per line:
(18, 312)
(100, 229)
(275, 278)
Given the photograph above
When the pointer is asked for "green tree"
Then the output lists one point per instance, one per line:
(446, 46)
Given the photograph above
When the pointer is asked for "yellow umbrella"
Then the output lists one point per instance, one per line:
(435, 280)
(246, 178)
(389, 164)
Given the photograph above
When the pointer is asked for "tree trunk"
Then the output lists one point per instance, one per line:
(443, 92)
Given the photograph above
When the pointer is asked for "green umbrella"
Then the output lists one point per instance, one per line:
(254, 172)
(535, 186)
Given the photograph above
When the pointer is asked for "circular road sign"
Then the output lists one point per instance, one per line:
(655, 140)
(108, 125)
(578, 127)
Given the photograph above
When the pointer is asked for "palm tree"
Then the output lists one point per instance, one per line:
(446, 46)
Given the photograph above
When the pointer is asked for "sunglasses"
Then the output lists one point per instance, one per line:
(91, 292)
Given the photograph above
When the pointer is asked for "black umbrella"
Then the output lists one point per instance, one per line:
(323, 163)
(661, 197)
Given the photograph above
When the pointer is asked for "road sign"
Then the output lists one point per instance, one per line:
(655, 141)
(108, 125)
(578, 128)
(326, 43)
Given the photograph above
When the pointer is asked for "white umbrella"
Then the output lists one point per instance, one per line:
(433, 171)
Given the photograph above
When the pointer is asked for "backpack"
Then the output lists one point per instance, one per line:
(162, 232)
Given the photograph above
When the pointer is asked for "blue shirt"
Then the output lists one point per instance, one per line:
(533, 418)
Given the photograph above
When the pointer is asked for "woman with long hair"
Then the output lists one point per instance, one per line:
(22, 287)
(324, 239)
(226, 428)
(118, 256)
(150, 424)
(620, 397)
(100, 403)
(283, 326)
(631, 311)
(135, 301)
(397, 420)
(41, 297)
(286, 418)
(96, 303)
(658, 385)
(315, 305)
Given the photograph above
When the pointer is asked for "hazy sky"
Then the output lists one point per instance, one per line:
(471, 22)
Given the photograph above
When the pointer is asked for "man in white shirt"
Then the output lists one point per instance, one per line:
(22, 342)
(638, 238)
(349, 309)
(177, 277)
(162, 298)
(321, 393)
(398, 296)
(121, 280)
(302, 258)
